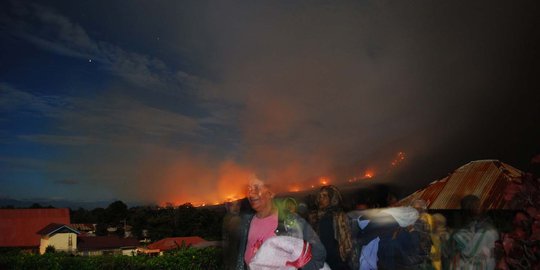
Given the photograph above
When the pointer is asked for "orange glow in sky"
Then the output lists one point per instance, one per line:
(232, 179)
(294, 189)
(368, 174)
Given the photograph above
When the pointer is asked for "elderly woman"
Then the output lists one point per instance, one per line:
(332, 225)
(267, 223)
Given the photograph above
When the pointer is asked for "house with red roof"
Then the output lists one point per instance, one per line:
(35, 229)
(172, 243)
(106, 245)
(19, 227)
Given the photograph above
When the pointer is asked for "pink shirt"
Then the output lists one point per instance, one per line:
(260, 229)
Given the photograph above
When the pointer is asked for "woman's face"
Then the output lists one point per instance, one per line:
(259, 197)
(324, 199)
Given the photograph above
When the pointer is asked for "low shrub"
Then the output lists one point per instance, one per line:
(186, 258)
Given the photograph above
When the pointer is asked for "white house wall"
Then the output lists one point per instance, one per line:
(60, 242)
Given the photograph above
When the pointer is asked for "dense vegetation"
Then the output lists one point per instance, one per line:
(159, 222)
(186, 258)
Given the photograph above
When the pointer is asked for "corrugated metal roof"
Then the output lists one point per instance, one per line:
(19, 226)
(83, 227)
(486, 179)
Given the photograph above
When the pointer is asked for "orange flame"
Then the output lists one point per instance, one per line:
(369, 174)
(324, 181)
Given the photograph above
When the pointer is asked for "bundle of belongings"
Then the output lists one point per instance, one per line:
(387, 239)
(282, 253)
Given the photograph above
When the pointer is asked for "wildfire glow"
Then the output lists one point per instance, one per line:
(324, 181)
(294, 189)
(368, 174)
(400, 157)
(232, 179)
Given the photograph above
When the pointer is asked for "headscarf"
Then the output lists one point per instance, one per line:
(342, 231)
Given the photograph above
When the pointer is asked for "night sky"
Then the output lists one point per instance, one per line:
(176, 101)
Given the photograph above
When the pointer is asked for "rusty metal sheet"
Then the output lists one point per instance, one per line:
(486, 179)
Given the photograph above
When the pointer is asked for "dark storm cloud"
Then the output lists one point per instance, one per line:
(110, 139)
(297, 90)
(327, 84)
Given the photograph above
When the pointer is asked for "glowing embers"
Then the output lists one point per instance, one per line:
(400, 157)
(382, 169)
(320, 181)
(367, 175)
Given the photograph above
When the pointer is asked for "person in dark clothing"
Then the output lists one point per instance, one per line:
(231, 230)
(422, 230)
(385, 239)
(333, 227)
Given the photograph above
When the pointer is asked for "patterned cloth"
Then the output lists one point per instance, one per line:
(475, 244)
(340, 222)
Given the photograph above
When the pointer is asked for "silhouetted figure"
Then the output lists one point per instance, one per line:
(333, 227)
(290, 205)
(231, 234)
(422, 229)
(440, 236)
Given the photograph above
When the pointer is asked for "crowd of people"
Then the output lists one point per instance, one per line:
(285, 234)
